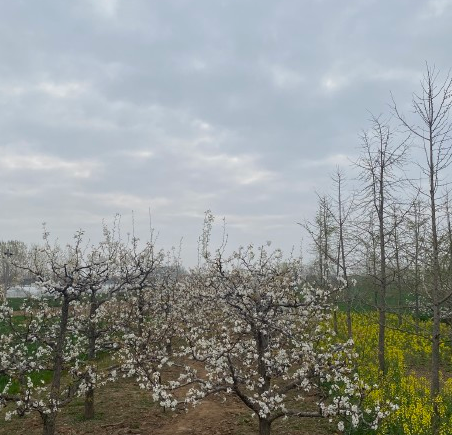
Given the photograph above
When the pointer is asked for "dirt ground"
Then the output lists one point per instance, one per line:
(122, 408)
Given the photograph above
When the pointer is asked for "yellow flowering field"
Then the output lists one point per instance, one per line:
(407, 381)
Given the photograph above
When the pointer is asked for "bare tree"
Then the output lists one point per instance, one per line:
(448, 249)
(342, 214)
(400, 258)
(323, 232)
(432, 128)
(379, 163)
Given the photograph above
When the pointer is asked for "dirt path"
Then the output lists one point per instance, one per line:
(214, 416)
(123, 409)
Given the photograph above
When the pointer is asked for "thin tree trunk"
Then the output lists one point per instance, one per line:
(262, 342)
(381, 339)
(435, 385)
(416, 264)
(383, 280)
(449, 236)
(335, 325)
(50, 419)
(89, 395)
(262, 347)
(341, 256)
(436, 336)
(349, 317)
(398, 270)
(140, 304)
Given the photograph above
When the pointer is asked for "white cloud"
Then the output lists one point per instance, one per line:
(125, 201)
(50, 88)
(202, 125)
(332, 83)
(204, 154)
(41, 162)
(241, 169)
(62, 90)
(342, 76)
(141, 154)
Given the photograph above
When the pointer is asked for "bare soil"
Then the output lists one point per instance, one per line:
(123, 409)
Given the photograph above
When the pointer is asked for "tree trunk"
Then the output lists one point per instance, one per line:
(435, 386)
(416, 264)
(58, 361)
(449, 236)
(262, 347)
(341, 256)
(398, 270)
(383, 279)
(140, 304)
(381, 339)
(264, 426)
(89, 395)
(436, 335)
(89, 404)
(349, 318)
(262, 342)
(49, 421)
(335, 326)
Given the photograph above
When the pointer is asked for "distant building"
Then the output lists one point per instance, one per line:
(23, 291)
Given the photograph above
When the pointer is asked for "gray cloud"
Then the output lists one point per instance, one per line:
(240, 106)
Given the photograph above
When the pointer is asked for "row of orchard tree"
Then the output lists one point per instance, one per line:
(245, 324)
(389, 239)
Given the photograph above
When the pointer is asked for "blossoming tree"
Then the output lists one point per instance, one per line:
(264, 336)
(40, 341)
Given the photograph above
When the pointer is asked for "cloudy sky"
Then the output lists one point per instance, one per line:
(243, 107)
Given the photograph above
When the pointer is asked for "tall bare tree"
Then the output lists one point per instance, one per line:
(380, 162)
(343, 209)
(432, 128)
(416, 228)
(321, 231)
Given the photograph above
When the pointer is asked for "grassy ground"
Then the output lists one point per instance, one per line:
(16, 303)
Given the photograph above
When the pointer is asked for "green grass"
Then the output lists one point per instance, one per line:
(75, 410)
(37, 377)
(17, 303)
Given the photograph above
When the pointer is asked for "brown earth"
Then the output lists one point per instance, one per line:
(123, 409)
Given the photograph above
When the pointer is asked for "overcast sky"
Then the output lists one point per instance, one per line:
(243, 107)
